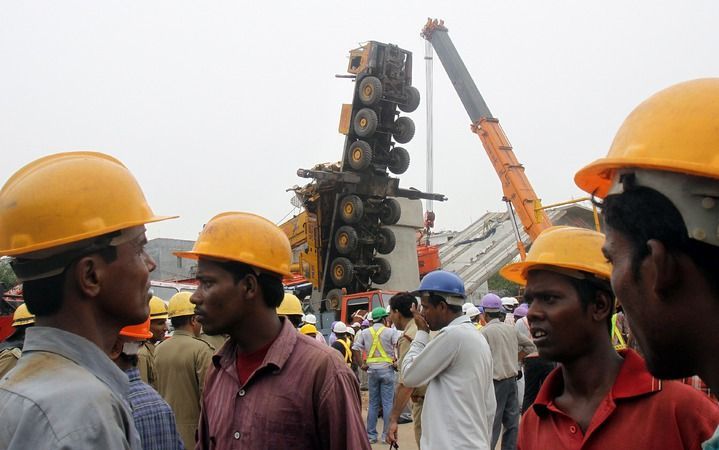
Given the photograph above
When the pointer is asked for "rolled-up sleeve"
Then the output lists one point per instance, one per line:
(425, 360)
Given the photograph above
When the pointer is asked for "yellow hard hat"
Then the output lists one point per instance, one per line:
(290, 306)
(245, 238)
(22, 316)
(564, 248)
(158, 308)
(675, 130)
(66, 198)
(308, 329)
(180, 305)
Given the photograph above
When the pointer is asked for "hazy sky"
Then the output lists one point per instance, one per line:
(214, 105)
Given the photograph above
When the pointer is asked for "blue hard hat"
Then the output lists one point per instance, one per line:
(441, 282)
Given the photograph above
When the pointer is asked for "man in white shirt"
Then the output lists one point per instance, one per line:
(459, 406)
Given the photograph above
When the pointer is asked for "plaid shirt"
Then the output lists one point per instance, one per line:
(153, 417)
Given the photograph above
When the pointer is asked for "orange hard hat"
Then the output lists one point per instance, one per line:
(138, 332)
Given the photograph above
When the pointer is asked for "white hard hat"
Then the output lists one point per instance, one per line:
(509, 301)
(311, 318)
(472, 311)
(466, 306)
(356, 325)
(350, 331)
(339, 327)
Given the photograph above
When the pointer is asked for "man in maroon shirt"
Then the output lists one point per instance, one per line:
(597, 398)
(269, 386)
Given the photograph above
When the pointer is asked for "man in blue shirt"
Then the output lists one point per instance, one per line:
(153, 417)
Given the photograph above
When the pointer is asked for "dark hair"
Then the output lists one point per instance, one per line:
(587, 291)
(403, 302)
(435, 300)
(131, 359)
(272, 289)
(493, 314)
(180, 321)
(295, 319)
(641, 214)
(44, 297)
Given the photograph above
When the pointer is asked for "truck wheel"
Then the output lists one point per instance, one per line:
(398, 160)
(370, 91)
(384, 271)
(390, 211)
(360, 155)
(403, 129)
(334, 299)
(386, 241)
(341, 271)
(351, 209)
(365, 123)
(412, 100)
(346, 240)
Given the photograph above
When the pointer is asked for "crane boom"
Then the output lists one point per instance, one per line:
(515, 185)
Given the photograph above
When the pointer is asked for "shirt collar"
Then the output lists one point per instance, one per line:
(633, 380)
(80, 351)
(494, 321)
(183, 333)
(133, 374)
(277, 355)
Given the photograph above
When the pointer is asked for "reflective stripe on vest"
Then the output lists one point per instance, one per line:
(348, 353)
(377, 346)
(617, 335)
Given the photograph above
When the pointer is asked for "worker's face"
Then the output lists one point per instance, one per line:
(158, 328)
(560, 328)
(126, 286)
(220, 301)
(650, 320)
(434, 315)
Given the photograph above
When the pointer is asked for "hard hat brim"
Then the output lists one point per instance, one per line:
(517, 272)
(80, 237)
(596, 177)
(197, 255)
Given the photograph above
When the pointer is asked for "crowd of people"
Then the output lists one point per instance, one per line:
(610, 347)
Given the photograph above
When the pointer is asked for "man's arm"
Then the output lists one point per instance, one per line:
(526, 346)
(401, 397)
(340, 418)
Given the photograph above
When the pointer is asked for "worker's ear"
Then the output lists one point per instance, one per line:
(116, 349)
(87, 274)
(251, 285)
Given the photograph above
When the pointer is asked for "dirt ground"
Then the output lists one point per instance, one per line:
(406, 431)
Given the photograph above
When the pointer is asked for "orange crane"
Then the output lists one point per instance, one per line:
(517, 190)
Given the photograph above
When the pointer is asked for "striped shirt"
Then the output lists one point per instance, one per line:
(153, 417)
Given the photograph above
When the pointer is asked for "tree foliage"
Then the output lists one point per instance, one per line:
(7, 276)
(502, 287)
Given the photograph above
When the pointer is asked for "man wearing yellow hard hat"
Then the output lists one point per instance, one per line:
(597, 397)
(75, 225)
(181, 363)
(11, 349)
(152, 415)
(158, 328)
(660, 188)
(269, 386)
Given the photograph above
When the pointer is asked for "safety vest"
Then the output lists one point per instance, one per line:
(478, 326)
(348, 352)
(617, 337)
(377, 346)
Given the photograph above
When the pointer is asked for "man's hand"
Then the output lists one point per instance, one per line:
(364, 367)
(392, 432)
(419, 319)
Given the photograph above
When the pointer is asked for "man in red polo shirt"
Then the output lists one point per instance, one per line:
(269, 386)
(597, 398)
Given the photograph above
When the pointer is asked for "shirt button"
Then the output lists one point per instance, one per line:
(572, 429)
(241, 393)
(237, 434)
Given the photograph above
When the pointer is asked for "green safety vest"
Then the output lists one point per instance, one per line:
(617, 335)
(377, 346)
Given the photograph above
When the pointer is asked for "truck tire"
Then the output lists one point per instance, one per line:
(359, 155)
(403, 129)
(341, 271)
(346, 240)
(365, 123)
(386, 241)
(398, 160)
(390, 211)
(412, 100)
(370, 91)
(351, 209)
(384, 271)
(334, 300)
